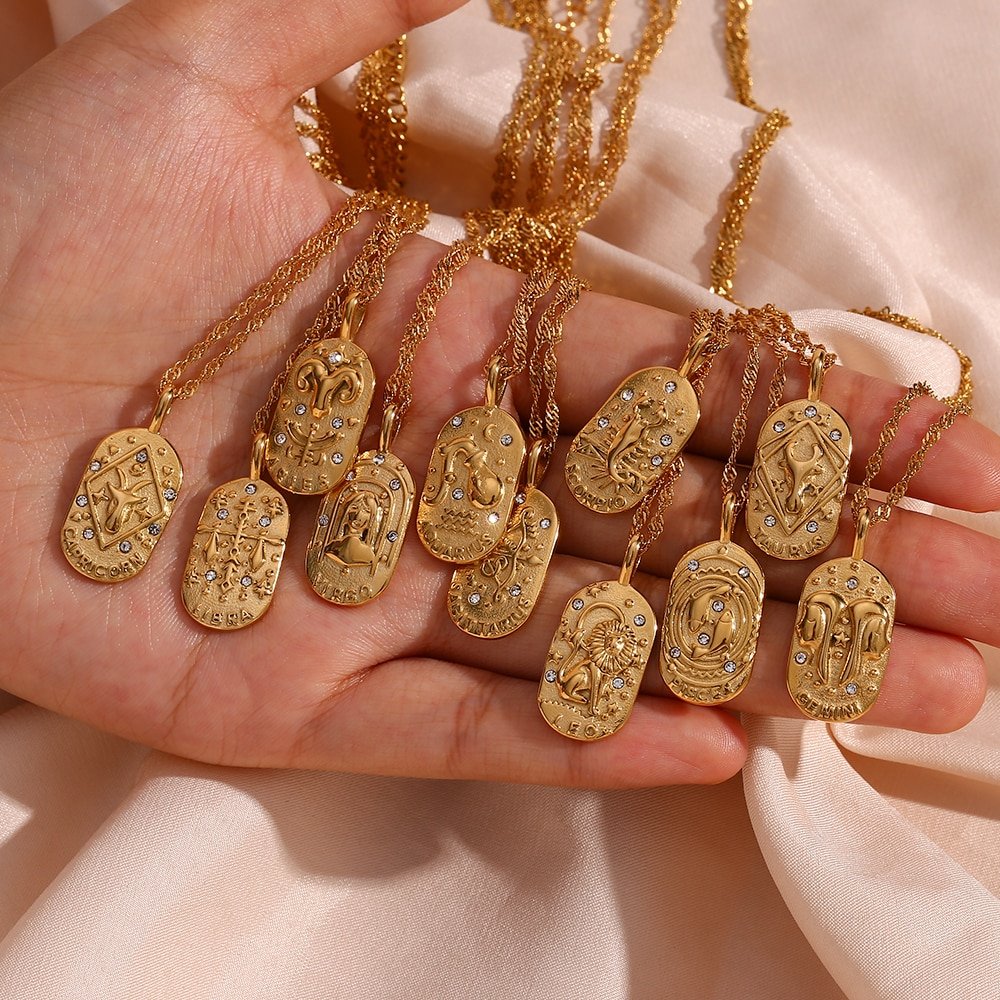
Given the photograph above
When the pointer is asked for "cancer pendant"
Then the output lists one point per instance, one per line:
(596, 661)
(840, 645)
(495, 595)
(471, 484)
(711, 623)
(360, 530)
(122, 505)
(232, 568)
(320, 416)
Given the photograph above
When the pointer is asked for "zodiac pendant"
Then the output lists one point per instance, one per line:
(360, 530)
(471, 483)
(232, 568)
(123, 502)
(495, 595)
(799, 475)
(712, 620)
(597, 658)
(840, 645)
(320, 416)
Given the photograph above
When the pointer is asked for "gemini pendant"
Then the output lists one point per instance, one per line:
(360, 529)
(840, 646)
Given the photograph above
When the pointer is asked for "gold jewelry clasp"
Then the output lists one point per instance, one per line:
(538, 462)
(495, 382)
(817, 370)
(631, 562)
(257, 454)
(390, 428)
(692, 360)
(354, 316)
(728, 518)
(161, 410)
(860, 535)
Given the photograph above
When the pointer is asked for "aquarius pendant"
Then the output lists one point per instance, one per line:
(360, 529)
(320, 416)
(495, 595)
(799, 475)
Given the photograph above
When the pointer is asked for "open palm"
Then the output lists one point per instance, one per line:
(150, 175)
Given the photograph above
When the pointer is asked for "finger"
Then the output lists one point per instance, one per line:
(961, 471)
(437, 719)
(268, 48)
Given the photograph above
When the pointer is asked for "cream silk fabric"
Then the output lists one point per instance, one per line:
(844, 861)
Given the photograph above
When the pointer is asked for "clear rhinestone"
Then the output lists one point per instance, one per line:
(394, 484)
(323, 520)
(154, 529)
(458, 494)
(779, 425)
(493, 517)
(350, 475)
(245, 581)
(506, 440)
(519, 499)
(456, 421)
(770, 520)
(810, 411)
(628, 394)
(666, 440)
(222, 514)
(88, 533)
(812, 527)
(170, 494)
(675, 651)
(379, 459)
(852, 584)
(704, 638)
(300, 409)
(550, 676)
(744, 572)
(250, 489)
(95, 466)
(671, 387)
(618, 683)
(337, 422)
(210, 575)
(729, 666)
(125, 547)
(142, 457)
(718, 605)
(545, 523)
(337, 458)
(474, 599)
(81, 501)
(657, 460)
(280, 437)
(392, 535)
(577, 604)
(603, 422)
(335, 358)
(835, 435)
(801, 658)
(265, 522)
(515, 591)
(851, 688)
(693, 564)
(639, 620)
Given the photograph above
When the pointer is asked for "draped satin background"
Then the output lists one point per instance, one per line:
(844, 861)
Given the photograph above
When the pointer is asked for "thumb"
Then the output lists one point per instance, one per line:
(272, 49)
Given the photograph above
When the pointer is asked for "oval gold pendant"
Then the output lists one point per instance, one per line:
(495, 595)
(232, 568)
(360, 530)
(320, 416)
(841, 640)
(711, 623)
(798, 480)
(596, 661)
(471, 484)
(635, 435)
(122, 505)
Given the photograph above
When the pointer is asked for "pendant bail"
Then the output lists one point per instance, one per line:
(495, 382)
(692, 360)
(257, 454)
(817, 371)
(161, 410)
(631, 561)
(728, 518)
(538, 462)
(860, 535)
(354, 316)
(389, 429)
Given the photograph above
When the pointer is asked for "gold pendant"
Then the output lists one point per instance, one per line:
(597, 658)
(232, 568)
(471, 482)
(799, 475)
(360, 530)
(123, 502)
(840, 645)
(320, 416)
(712, 619)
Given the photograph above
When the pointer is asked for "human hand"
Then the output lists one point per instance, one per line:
(149, 175)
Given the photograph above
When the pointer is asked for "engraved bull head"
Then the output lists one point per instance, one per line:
(799, 473)
(343, 384)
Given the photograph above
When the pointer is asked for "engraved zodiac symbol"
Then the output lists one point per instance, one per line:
(342, 383)
(598, 653)
(309, 447)
(358, 530)
(504, 562)
(485, 488)
(799, 473)
(124, 502)
(710, 617)
(844, 636)
(626, 445)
